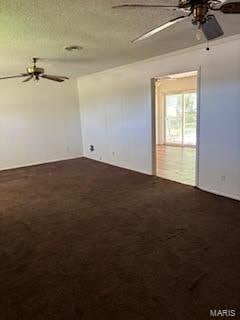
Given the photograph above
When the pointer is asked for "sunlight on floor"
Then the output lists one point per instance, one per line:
(176, 163)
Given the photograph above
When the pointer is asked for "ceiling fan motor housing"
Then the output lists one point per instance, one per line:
(199, 13)
(35, 70)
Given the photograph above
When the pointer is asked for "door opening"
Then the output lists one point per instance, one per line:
(176, 124)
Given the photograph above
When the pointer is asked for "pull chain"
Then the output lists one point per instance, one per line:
(207, 46)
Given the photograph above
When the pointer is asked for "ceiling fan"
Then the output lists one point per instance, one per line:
(198, 9)
(36, 73)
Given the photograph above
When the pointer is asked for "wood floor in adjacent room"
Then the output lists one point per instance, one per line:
(84, 240)
(176, 163)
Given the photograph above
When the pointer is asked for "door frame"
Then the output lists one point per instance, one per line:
(153, 119)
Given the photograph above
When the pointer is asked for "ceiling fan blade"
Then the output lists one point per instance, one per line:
(53, 78)
(230, 7)
(18, 76)
(28, 79)
(211, 28)
(160, 28)
(134, 6)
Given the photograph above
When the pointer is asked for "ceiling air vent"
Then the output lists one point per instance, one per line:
(73, 48)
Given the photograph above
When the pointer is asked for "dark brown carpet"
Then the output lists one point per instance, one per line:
(84, 240)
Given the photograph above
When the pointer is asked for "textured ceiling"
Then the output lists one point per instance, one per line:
(43, 27)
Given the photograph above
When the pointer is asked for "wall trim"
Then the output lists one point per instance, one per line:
(35, 164)
(118, 166)
(219, 193)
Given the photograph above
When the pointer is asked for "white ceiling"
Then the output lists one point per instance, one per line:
(43, 27)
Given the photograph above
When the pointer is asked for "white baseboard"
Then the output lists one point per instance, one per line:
(219, 193)
(32, 164)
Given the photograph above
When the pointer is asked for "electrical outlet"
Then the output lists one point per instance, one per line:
(223, 178)
(91, 148)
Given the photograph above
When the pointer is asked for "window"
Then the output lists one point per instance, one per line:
(181, 118)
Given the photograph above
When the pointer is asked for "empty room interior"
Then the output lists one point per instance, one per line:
(119, 160)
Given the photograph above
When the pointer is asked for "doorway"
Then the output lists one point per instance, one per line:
(176, 114)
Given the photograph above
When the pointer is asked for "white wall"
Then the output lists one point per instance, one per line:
(38, 123)
(117, 116)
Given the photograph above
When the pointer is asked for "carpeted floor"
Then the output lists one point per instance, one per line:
(84, 240)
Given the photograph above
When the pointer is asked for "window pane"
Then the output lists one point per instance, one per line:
(190, 104)
(173, 123)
